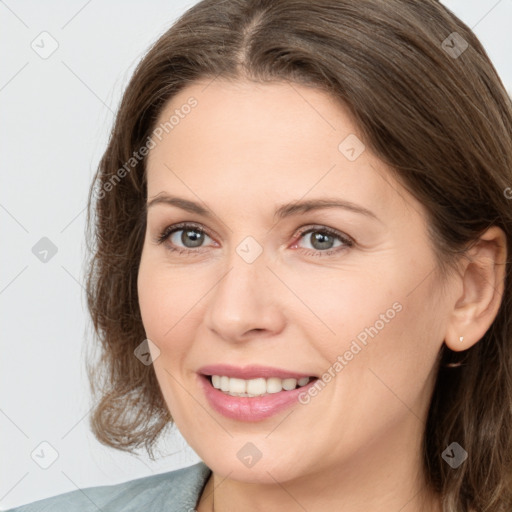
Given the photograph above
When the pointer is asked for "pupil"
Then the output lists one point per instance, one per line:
(324, 240)
(320, 240)
(194, 236)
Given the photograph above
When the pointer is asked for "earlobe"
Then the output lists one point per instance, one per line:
(483, 285)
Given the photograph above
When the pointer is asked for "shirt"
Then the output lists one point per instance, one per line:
(174, 491)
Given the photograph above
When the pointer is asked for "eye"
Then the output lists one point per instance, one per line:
(188, 238)
(183, 237)
(323, 240)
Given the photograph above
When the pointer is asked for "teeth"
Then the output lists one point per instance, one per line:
(255, 387)
(237, 385)
(289, 384)
(224, 384)
(274, 385)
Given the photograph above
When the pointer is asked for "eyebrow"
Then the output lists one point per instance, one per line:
(283, 211)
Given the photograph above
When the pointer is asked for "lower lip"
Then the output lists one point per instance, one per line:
(250, 408)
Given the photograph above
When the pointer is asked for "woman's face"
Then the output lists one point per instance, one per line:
(347, 294)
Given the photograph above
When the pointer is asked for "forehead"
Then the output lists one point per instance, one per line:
(246, 117)
(256, 144)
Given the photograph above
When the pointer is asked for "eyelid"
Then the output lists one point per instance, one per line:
(346, 240)
(326, 229)
(169, 230)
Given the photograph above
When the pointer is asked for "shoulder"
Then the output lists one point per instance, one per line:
(173, 491)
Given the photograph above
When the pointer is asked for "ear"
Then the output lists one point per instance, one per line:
(483, 283)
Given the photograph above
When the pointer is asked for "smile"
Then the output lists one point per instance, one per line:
(255, 387)
(252, 393)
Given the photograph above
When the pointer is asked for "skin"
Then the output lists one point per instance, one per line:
(245, 149)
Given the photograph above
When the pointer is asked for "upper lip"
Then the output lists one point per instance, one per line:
(251, 372)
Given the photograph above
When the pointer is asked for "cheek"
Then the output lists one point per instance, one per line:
(161, 304)
(397, 353)
(379, 331)
(168, 301)
(344, 303)
(156, 299)
(161, 295)
(150, 298)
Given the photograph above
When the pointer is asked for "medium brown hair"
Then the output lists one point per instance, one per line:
(441, 120)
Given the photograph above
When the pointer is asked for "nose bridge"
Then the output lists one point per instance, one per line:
(241, 300)
(246, 267)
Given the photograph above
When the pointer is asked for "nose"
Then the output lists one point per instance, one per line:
(245, 302)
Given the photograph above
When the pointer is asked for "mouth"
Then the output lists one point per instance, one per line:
(254, 392)
(256, 387)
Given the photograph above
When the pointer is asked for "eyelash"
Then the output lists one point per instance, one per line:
(168, 231)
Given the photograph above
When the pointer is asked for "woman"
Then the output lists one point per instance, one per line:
(303, 222)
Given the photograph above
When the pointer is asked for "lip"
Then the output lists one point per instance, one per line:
(251, 372)
(250, 409)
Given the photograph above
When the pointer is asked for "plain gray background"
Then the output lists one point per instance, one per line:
(56, 115)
